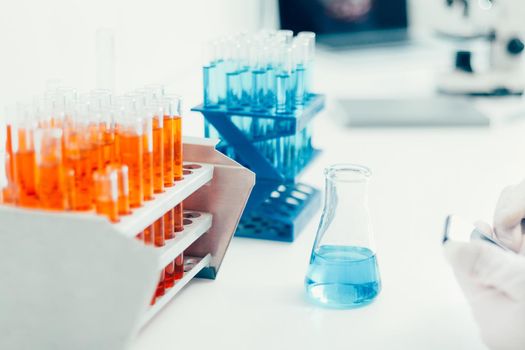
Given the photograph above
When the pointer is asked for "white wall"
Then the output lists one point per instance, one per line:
(156, 39)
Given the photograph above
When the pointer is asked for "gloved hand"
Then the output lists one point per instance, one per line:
(494, 283)
(508, 216)
(493, 280)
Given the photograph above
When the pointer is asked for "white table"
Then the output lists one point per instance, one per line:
(419, 176)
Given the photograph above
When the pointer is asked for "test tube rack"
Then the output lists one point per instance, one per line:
(77, 281)
(279, 207)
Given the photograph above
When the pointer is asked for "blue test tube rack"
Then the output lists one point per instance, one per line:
(277, 148)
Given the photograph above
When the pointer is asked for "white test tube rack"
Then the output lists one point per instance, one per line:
(75, 280)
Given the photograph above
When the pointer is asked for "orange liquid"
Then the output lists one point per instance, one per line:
(178, 218)
(158, 158)
(148, 235)
(108, 208)
(159, 233)
(25, 179)
(169, 148)
(108, 147)
(97, 156)
(123, 205)
(79, 165)
(177, 146)
(169, 225)
(131, 155)
(51, 186)
(148, 172)
(169, 273)
(161, 289)
(179, 267)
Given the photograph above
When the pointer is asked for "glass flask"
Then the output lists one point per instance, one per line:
(343, 271)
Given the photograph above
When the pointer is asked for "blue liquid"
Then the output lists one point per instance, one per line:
(299, 90)
(210, 91)
(343, 276)
(271, 82)
(233, 90)
(220, 80)
(246, 83)
(282, 93)
(259, 89)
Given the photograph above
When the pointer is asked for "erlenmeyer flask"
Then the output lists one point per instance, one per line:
(343, 270)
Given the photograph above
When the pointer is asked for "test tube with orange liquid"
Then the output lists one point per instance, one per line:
(177, 138)
(158, 150)
(106, 193)
(130, 141)
(123, 187)
(24, 163)
(79, 168)
(158, 235)
(169, 138)
(178, 218)
(169, 275)
(147, 163)
(149, 232)
(9, 191)
(169, 225)
(161, 288)
(49, 175)
(179, 267)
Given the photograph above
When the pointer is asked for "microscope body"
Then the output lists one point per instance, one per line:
(506, 37)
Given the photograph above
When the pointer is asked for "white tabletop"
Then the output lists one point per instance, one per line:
(419, 176)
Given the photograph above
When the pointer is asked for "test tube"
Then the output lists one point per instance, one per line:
(107, 124)
(179, 267)
(161, 288)
(170, 111)
(209, 76)
(158, 234)
(169, 273)
(158, 149)
(233, 78)
(149, 232)
(123, 188)
(177, 138)
(220, 70)
(258, 55)
(300, 57)
(178, 217)
(147, 159)
(24, 162)
(169, 224)
(79, 171)
(106, 194)
(9, 191)
(244, 70)
(309, 38)
(130, 140)
(283, 82)
(50, 177)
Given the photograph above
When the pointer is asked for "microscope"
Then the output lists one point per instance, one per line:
(504, 30)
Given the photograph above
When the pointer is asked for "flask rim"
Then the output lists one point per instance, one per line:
(347, 172)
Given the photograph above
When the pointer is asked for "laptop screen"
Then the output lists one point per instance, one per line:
(328, 17)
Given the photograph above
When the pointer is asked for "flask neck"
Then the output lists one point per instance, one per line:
(345, 220)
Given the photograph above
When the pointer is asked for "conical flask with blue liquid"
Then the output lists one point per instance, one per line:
(343, 270)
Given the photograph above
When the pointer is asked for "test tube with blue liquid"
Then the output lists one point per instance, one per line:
(343, 271)
(233, 77)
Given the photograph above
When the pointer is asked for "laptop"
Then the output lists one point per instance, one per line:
(342, 24)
